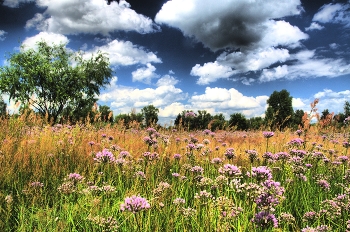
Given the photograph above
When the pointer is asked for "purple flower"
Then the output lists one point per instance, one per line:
(261, 173)
(282, 155)
(230, 153)
(190, 115)
(324, 184)
(268, 134)
(299, 132)
(197, 169)
(75, 177)
(346, 144)
(177, 156)
(253, 155)
(296, 142)
(265, 220)
(179, 201)
(104, 157)
(216, 160)
(207, 132)
(37, 184)
(230, 170)
(134, 204)
(343, 158)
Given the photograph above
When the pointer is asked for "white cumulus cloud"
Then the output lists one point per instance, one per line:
(144, 74)
(211, 72)
(89, 16)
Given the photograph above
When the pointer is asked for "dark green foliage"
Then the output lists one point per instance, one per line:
(55, 81)
(150, 114)
(127, 119)
(256, 123)
(279, 113)
(239, 121)
(3, 107)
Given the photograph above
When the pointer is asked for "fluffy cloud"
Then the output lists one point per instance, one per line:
(144, 74)
(334, 13)
(222, 24)
(333, 101)
(307, 65)
(211, 72)
(253, 61)
(89, 16)
(167, 80)
(48, 37)
(2, 35)
(314, 26)
(15, 3)
(126, 53)
(229, 101)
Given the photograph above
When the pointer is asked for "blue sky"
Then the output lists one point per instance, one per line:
(220, 56)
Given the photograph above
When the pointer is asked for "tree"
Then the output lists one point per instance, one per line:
(255, 123)
(106, 113)
(298, 119)
(3, 107)
(217, 123)
(347, 109)
(150, 114)
(52, 79)
(203, 119)
(279, 112)
(239, 121)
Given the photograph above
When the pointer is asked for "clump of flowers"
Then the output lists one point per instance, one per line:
(296, 142)
(162, 186)
(75, 177)
(268, 134)
(203, 196)
(104, 156)
(230, 153)
(230, 170)
(265, 220)
(252, 154)
(197, 170)
(179, 201)
(135, 204)
(106, 224)
(261, 173)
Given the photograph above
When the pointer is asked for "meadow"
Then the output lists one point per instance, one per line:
(103, 177)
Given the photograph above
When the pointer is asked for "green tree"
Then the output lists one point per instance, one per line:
(239, 121)
(347, 109)
(51, 79)
(150, 114)
(106, 114)
(279, 112)
(256, 123)
(217, 123)
(298, 119)
(3, 107)
(203, 119)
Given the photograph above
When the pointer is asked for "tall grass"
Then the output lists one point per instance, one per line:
(106, 178)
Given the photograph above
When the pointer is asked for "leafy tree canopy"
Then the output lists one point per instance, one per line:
(51, 79)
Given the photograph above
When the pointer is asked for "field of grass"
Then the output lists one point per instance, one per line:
(106, 178)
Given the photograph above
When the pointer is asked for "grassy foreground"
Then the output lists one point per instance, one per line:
(106, 178)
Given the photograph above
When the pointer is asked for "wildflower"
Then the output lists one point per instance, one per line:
(124, 154)
(230, 153)
(268, 156)
(207, 132)
(104, 157)
(286, 218)
(190, 114)
(149, 141)
(261, 173)
(106, 224)
(140, 174)
(300, 153)
(179, 201)
(282, 156)
(197, 169)
(346, 144)
(206, 141)
(134, 204)
(253, 155)
(67, 187)
(188, 212)
(299, 132)
(75, 177)
(230, 170)
(162, 186)
(177, 156)
(265, 220)
(216, 160)
(91, 143)
(175, 174)
(296, 142)
(310, 216)
(343, 159)
(36, 184)
(268, 134)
